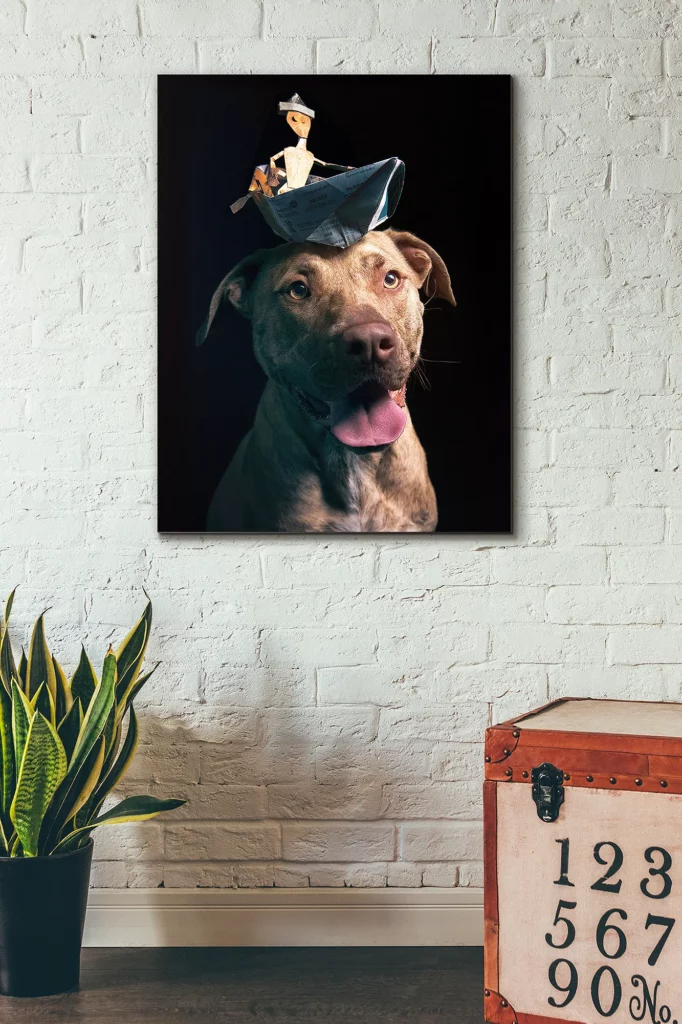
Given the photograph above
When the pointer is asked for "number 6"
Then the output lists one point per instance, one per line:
(603, 928)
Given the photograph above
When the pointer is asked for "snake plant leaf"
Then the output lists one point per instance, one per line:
(8, 669)
(70, 806)
(92, 778)
(4, 845)
(6, 755)
(84, 681)
(22, 670)
(133, 808)
(120, 767)
(70, 726)
(64, 698)
(40, 668)
(130, 654)
(43, 767)
(42, 701)
(133, 691)
(94, 722)
(15, 846)
(22, 713)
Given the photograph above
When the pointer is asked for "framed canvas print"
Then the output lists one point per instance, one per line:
(334, 304)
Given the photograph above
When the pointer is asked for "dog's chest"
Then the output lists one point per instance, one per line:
(367, 506)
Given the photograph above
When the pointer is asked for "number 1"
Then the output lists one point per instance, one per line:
(563, 878)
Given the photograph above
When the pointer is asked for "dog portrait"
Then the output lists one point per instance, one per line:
(334, 304)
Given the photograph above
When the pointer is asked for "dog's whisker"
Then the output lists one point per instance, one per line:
(446, 362)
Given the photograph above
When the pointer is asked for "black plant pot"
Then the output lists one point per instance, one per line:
(42, 914)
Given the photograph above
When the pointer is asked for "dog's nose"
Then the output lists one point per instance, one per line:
(370, 341)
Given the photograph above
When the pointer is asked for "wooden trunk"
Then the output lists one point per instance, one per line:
(583, 865)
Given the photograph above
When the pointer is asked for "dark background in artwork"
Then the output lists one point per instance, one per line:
(453, 132)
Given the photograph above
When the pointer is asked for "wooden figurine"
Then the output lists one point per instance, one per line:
(298, 159)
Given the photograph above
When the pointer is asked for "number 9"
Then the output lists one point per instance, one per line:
(571, 988)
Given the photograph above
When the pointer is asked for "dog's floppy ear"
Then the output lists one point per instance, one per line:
(236, 288)
(426, 262)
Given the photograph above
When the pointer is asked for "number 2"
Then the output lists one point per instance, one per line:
(668, 924)
(602, 885)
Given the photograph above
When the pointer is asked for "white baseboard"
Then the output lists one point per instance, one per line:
(285, 917)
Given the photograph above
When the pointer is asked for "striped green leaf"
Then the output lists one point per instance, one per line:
(134, 690)
(22, 713)
(7, 775)
(43, 767)
(84, 681)
(64, 698)
(91, 729)
(130, 655)
(22, 670)
(134, 808)
(8, 669)
(122, 763)
(70, 726)
(40, 668)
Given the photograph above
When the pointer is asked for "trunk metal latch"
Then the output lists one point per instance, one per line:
(548, 790)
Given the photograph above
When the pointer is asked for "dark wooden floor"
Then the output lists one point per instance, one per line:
(233, 986)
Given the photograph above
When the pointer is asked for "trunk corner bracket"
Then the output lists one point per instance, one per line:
(498, 1009)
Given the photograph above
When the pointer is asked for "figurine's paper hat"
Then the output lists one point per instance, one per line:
(295, 103)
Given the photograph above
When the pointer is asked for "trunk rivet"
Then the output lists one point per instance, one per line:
(516, 734)
(664, 784)
(613, 781)
(487, 993)
(488, 759)
(508, 771)
(567, 777)
(504, 1003)
(524, 774)
(590, 778)
(506, 752)
(638, 782)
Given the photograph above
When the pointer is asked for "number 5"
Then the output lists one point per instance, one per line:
(665, 922)
(570, 927)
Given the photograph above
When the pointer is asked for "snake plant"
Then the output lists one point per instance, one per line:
(65, 744)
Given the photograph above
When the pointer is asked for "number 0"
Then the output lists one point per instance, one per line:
(617, 991)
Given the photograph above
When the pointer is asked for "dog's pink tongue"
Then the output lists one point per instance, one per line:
(367, 417)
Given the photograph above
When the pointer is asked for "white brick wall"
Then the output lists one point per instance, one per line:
(321, 702)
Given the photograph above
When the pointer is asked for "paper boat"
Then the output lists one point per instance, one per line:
(337, 210)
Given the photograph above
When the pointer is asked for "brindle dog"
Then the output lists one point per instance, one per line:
(338, 332)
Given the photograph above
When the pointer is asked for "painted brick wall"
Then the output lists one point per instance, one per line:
(321, 702)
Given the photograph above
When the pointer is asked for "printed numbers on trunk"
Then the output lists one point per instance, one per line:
(570, 927)
(565, 851)
(570, 988)
(661, 871)
(616, 863)
(610, 938)
(604, 927)
(667, 923)
(597, 991)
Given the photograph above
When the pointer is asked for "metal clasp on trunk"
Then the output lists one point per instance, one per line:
(548, 791)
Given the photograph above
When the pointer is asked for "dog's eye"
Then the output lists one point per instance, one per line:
(298, 290)
(392, 279)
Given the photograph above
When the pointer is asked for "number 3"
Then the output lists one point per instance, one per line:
(662, 872)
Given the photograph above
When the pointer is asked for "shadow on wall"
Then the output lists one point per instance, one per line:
(284, 792)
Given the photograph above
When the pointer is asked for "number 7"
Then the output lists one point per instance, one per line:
(665, 922)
